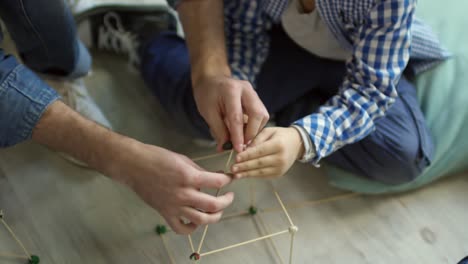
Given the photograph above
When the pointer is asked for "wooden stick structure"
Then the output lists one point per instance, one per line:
(244, 243)
(210, 156)
(292, 229)
(196, 254)
(191, 243)
(33, 259)
(203, 235)
(260, 221)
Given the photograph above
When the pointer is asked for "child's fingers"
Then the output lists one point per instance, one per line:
(265, 149)
(263, 162)
(264, 173)
(263, 136)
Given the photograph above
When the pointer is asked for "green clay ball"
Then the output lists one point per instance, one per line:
(227, 145)
(252, 210)
(34, 259)
(161, 229)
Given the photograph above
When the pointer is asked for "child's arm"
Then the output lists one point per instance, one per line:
(270, 154)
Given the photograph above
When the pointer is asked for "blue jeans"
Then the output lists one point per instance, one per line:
(45, 36)
(292, 83)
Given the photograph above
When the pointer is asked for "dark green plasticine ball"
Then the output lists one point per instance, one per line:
(34, 259)
(195, 256)
(252, 210)
(161, 229)
(227, 145)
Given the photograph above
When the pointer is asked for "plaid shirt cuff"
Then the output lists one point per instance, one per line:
(309, 149)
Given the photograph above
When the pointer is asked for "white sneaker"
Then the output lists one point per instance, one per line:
(76, 96)
(112, 36)
(122, 32)
(84, 8)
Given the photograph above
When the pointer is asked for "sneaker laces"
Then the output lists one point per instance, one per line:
(114, 37)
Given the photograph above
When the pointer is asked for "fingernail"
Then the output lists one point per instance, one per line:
(234, 169)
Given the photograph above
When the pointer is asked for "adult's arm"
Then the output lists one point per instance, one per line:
(221, 97)
(167, 181)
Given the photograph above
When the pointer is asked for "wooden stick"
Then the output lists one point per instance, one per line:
(209, 156)
(15, 237)
(244, 243)
(191, 243)
(275, 249)
(313, 202)
(291, 248)
(284, 208)
(13, 255)
(171, 257)
(227, 169)
(206, 227)
(202, 239)
(233, 215)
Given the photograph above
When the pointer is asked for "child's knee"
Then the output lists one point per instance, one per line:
(399, 162)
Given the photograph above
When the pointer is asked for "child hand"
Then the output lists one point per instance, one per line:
(270, 154)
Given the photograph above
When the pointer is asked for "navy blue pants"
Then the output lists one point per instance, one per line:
(292, 84)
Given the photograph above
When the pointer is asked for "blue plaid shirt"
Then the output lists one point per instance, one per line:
(385, 38)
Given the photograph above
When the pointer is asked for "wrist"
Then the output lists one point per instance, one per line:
(117, 158)
(298, 143)
(209, 69)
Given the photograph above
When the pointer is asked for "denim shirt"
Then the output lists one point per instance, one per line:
(23, 99)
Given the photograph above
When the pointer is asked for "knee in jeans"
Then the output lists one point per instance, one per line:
(69, 62)
(402, 161)
(397, 172)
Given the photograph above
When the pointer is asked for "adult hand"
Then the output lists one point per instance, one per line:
(171, 183)
(167, 181)
(223, 102)
(271, 153)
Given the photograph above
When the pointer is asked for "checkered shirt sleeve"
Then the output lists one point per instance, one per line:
(380, 54)
(247, 38)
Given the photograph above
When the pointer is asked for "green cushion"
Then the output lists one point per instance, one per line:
(444, 100)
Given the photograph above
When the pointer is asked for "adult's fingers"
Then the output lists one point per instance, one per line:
(200, 218)
(208, 203)
(258, 115)
(235, 119)
(218, 128)
(181, 228)
(265, 149)
(262, 162)
(211, 180)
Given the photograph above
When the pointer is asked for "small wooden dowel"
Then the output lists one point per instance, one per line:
(244, 243)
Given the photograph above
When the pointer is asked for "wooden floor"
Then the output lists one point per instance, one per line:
(66, 214)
